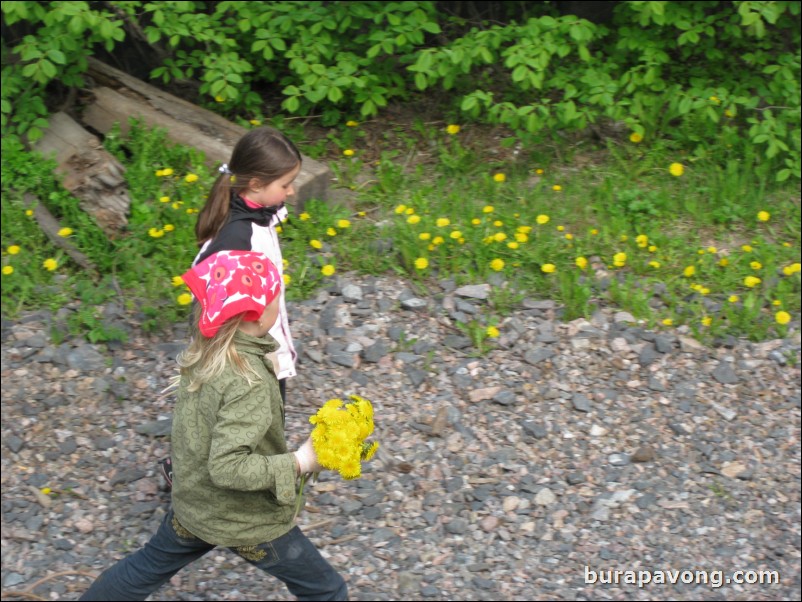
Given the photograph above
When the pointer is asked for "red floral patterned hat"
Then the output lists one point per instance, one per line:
(229, 283)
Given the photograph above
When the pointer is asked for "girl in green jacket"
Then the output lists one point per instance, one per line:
(234, 480)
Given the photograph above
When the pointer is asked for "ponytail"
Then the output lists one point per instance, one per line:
(214, 214)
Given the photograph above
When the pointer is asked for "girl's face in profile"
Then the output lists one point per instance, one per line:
(275, 193)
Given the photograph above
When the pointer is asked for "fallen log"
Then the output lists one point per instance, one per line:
(88, 171)
(117, 96)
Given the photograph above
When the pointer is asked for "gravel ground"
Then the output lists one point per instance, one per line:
(571, 450)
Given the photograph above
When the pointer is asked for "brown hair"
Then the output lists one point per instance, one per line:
(265, 154)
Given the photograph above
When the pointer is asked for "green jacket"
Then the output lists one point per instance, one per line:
(233, 479)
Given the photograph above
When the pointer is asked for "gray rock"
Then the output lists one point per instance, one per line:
(581, 403)
(474, 291)
(724, 374)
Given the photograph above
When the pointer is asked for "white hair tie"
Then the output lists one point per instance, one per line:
(224, 169)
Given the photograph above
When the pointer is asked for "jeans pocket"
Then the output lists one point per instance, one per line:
(261, 555)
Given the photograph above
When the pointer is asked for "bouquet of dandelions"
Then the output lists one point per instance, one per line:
(340, 438)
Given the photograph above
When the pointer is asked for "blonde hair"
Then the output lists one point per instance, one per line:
(206, 358)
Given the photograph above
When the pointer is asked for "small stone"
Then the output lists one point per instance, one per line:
(644, 453)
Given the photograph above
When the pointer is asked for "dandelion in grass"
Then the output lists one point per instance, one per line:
(776, 303)
(169, 227)
(442, 222)
(351, 123)
(304, 217)
(635, 137)
(548, 268)
(724, 262)
(715, 100)
(50, 264)
(413, 219)
(476, 221)
(8, 270)
(219, 98)
(343, 224)
(456, 234)
(331, 231)
(525, 229)
(707, 321)
(421, 263)
(499, 237)
(689, 271)
(499, 177)
(488, 209)
(177, 281)
(763, 216)
(315, 244)
(676, 169)
(424, 236)
(492, 332)
(400, 209)
(498, 223)
(348, 152)
(782, 317)
(747, 248)
(594, 231)
(792, 269)
(733, 298)
(184, 299)
(29, 212)
(569, 236)
(512, 245)
(497, 264)
(642, 241)
(752, 281)
(327, 270)
(581, 262)
(620, 260)
(755, 265)
(539, 171)
(164, 199)
(191, 177)
(542, 219)
(155, 232)
(654, 264)
(556, 188)
(452, 129)
(438, 240)
(65, 232)
(668, 322)
(177, 205)
(255, 122)
(560, 228)
(521, 237)
(712, 250)
(13, 250)
(652, 248)
(287, 279)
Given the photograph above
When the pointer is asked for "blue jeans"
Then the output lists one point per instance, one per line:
(292, 558)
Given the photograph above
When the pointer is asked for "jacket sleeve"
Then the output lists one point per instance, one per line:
(243, 420)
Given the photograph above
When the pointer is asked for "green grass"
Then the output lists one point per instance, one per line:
(620, 230)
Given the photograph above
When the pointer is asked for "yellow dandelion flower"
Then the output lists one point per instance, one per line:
(29, 212)
(219, 98)
(65, 232)
(331, 231)
(184, 299)
(315, 244)
(642, 240)
(499, 237)
(476, 221)
(712, 250)
(654, 264)
(689, 271)
(456, 234)
(715, 100)
(421, 263)
(581, 262)
(424, 236)
(492, 332)
(255, 122)
(191, 177)
(351, 123)
(521, 237)
(488, 209)
(733, 298)
(413, 219)
(782, 317)
(8, 270)
(452, 129)
(548, 268)
(164, 199)
(438, 240)
(776, 303)
(746, 248)
(497, 265)
(676, 169)
(343, 224)
(556, 188)
(539, 171)
(560, 228)
(168, 171)
(635, 137)
(755, 265)
(50, 264)
(594, 231)
(668, 322)
(286, 278)
(348, 152)
(724, 262)
(442, 222)
(13, 250)
(527, 229)
(752, 281)
(620, 260)
(156, 232)
(168, 227)
(652, 248)
(400, 209)
(304, 217)
(569, 236)
(542, 219)
(729, 113)
(498, 223)
(327, 270)
(409, 211)
(789, 270)
(707, 321)
(763, 216)
(499, 177)
(177, 281)
(512, 245)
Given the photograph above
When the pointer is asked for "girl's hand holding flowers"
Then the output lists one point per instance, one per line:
(306, 458)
